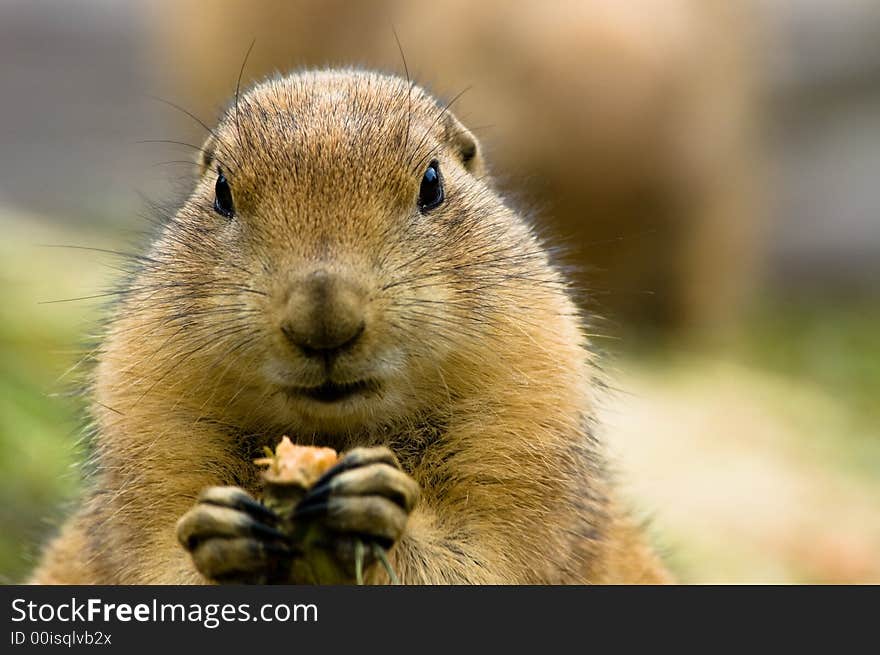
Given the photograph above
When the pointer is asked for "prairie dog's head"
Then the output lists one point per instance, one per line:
(344, 257)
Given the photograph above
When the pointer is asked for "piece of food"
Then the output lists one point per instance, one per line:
(291, 471)
(293, 464)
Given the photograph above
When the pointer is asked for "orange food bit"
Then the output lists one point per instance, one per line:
(299, 465)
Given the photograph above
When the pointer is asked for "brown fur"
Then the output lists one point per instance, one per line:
(488, 383)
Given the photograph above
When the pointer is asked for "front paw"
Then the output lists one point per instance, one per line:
(360, 505)
(232, 538)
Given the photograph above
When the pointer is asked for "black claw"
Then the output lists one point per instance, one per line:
(333, 471)
(310, 508)
(257, 509)
(263, 531)
(322, 492)
(245, 504)
(318, 493)
(246, 527)
(355, 460)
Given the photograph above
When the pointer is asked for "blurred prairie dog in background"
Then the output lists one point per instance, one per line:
(628, 126)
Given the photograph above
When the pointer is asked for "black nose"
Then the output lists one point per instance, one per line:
(324, 315)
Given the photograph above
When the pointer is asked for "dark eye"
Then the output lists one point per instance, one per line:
(431, 191)
(223, 196)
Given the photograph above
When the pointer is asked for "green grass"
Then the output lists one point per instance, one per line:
(39, 422)
(833, 348)
(834, 345)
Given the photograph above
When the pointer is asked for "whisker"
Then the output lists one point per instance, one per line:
(238, 93)
(187, 145)
(185, 111)
(409, 85)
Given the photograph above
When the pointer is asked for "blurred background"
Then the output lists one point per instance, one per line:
(710, 167)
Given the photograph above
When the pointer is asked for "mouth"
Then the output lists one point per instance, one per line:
(331, 392)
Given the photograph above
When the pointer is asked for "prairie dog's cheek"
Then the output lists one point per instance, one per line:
(427, 319)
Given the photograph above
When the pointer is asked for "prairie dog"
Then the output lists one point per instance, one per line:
(344, 273)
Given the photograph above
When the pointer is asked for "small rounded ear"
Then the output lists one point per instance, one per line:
(205, 156)
(464, 143)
